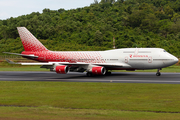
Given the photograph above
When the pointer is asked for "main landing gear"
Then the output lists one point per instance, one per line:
(108, 73)
(158, 72)
(89, 74)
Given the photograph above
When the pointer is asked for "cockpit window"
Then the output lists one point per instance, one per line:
(165, 51)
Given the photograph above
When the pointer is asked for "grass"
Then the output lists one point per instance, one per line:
(23, 68)
(52, 113)
(44, 100)
(59, 100)
(4, 66)
(172, 69)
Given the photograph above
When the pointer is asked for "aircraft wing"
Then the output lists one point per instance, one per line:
(75, 64)
(45, 65)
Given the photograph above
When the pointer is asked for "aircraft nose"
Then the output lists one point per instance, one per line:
(176, 59)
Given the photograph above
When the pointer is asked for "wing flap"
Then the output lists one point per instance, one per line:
(112, 64)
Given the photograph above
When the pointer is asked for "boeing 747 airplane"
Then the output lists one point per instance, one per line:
(92, 62)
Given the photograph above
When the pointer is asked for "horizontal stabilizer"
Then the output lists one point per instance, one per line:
(30, 56)
(36, 63)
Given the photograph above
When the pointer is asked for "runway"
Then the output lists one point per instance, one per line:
(116, 77)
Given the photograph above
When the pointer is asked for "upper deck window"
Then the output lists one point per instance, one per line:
(128, 51)
(144, 52)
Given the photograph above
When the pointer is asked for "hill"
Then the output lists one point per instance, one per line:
(133, 23)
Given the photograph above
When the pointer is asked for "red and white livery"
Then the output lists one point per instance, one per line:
(93, 62)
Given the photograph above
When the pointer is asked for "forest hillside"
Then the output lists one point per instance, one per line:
(133, 23)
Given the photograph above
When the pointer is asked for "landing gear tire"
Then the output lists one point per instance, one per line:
(158, 74)
(89, 74)
(108, 73)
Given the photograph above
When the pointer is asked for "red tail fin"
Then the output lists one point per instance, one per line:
(30, 42)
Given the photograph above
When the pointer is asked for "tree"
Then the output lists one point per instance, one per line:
(164, 27)
(95, 2)
(98, 38)
(161, 14)
(169, 12)
(108, 1)
(120, 1)
(4, 31)
(61, 10)
(175, 27)
(175, 18)
(46, 10)
(150, 23)
(135, 19)
(129, 9)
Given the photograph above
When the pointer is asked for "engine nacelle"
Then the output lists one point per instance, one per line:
(62, 69)
(98, 70)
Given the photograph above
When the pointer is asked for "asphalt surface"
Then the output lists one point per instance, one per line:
(119, 77)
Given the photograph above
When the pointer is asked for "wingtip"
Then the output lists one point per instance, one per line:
(10, 62)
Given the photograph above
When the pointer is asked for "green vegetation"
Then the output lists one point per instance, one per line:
(54, 113)
(133, 23)
(172, 69)
(23, 68)
(54, 100)
(5, 66)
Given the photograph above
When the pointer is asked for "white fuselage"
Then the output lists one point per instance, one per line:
(140, 58)
(117, 59)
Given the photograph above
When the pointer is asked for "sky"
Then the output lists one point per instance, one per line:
(15, 8)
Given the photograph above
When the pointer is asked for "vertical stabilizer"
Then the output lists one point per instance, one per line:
(30, 42)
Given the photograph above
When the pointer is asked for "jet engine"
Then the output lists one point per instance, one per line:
(98, 70)
(62, 69)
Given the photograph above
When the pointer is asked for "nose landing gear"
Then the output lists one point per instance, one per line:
(158, 72)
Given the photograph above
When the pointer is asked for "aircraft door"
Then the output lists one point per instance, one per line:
(150, 59)
(126, 60)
